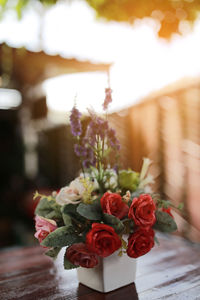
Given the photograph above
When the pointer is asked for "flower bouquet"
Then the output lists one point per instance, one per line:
(107, 215)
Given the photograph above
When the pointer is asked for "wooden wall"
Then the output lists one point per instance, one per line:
(166, 128)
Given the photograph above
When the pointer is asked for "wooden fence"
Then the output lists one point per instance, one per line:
(166, 128)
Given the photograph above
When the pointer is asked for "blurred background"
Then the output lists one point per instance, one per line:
(53, 52)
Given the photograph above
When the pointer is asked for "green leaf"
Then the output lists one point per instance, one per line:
(19, 7)
(53, 215)
(114, 222)
(3, 2)
(71, 211)
(90, 211)
(43, 208)
(67, 219)
(53, 253)
(166, 203)
(48, 209)
(62, 236)
(164, 222)
(180, 206)
(68, 265)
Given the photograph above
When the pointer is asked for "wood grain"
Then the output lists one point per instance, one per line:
(169, 271)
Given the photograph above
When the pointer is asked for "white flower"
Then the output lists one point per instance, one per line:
(72, 193)
(145, 166)
(78, 185)
(92, 179)
(111, 180)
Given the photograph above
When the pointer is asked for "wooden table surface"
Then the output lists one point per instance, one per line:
(169, 271)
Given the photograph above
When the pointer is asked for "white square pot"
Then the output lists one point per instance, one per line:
(112, 273)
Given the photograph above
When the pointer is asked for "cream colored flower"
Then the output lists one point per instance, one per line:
(72, 193)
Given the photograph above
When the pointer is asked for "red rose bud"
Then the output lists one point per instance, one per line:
(112, 204)
(102, 240)
(142, 211)
(140, 242)
(79, 255)
(168, 211)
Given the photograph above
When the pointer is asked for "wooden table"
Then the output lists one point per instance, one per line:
(169, 271)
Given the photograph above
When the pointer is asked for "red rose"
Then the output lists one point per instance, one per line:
(79, 255)
(102, 240)
(142, 211)
(168, 211)
(112, 204)
(140, 242)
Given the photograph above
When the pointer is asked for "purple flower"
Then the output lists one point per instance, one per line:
(84, 151)
(80, 150)
(75, 122)
(112, 140)
(89, 159)
(108, 98)
(97, 127)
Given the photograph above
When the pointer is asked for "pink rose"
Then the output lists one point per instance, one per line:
(43, 227)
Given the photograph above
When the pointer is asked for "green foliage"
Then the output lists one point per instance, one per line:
(3, 2)
(128, 180)
(160, 203)
(48, 2)
(67, 219)
(169, 13)
(70, 210)
(53, 252)
(90, 211)
(180, 206)
(62, 236)
(48, 209)
(113, 222)
(164, 222)
(19, 7)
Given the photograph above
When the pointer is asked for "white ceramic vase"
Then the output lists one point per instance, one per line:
(112, 273)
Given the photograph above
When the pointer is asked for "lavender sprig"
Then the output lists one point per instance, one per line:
(108, 98)
(75, 122)
(112, 139)
(93, 148)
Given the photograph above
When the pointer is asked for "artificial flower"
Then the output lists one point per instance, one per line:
(113, 204)
(79, 255)
(75, 122)
(102, 240)
(142, 211)
(108, 98)
(72, 193)
(111, 179)
(128, 180)
(43, 227)
(140, 242)
(168, 211)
